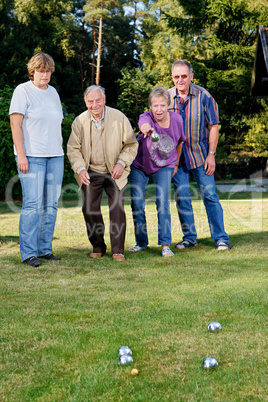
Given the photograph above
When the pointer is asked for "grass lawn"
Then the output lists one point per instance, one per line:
(62, 323)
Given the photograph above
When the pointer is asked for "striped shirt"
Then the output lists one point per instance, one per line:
(198, 111)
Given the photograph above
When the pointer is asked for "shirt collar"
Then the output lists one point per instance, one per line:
(98, 124)
(192, 91)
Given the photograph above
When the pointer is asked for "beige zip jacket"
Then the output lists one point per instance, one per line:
(119, 142)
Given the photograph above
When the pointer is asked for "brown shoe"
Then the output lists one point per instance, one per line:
(119, 257)
(96, 255)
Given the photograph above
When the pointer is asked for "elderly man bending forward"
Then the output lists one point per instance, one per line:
(101, 148)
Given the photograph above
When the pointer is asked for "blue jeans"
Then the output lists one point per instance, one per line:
(41, 188)
(207, 188)
(138, 183)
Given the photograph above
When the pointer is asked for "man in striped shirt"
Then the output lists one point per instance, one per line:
(200, 121)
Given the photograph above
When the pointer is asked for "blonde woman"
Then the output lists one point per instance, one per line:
(35, 118)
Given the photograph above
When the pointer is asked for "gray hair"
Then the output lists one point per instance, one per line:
(94, 88)
(182, 62)
(159, 91)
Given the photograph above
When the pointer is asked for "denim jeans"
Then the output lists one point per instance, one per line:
(41, 188)
(138, 183)
(214, 211)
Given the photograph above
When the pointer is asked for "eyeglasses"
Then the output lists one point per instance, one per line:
(183, 76)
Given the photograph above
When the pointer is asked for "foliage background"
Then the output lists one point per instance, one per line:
(140, 41)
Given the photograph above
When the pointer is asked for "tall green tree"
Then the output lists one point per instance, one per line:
(135, 86)
(95, 12)
(114, 47)
(222, 51)
(219, 38)
(52, 27)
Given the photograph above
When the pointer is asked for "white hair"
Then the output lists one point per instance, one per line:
(92, 88)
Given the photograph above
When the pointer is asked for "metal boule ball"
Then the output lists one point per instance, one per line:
(155, 137)
(125, 359)
(214, 326)
(124, 350)
(210, 363)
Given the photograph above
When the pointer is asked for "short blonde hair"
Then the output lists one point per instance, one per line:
(40, 61)
(157, 92)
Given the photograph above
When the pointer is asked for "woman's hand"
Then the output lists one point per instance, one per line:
(175, 171)
(146, 130)
(23, 164)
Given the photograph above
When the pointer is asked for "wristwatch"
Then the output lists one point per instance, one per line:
(212, 153)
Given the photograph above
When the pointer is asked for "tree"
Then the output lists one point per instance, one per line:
(219, 38)
(96, 11)
(135, 86)
(116, 47)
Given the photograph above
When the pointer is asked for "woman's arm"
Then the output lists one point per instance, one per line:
(178, 149)
(16, 123)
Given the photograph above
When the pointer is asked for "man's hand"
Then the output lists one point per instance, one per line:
(210, 164)
(117, 171)
(84, 177)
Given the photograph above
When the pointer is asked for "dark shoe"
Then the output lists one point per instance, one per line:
(32, 261)
(136, 248)
(221, 246)
(50, 257)
(96, 255)
(185, 244)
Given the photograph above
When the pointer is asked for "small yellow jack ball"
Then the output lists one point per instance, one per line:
(134, 371)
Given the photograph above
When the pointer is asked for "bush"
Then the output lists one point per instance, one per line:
(7, 161)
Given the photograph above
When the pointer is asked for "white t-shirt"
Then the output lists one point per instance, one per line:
(41, 125)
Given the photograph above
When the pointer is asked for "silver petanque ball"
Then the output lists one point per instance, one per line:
(125, 359)
(210, 363)
(155, 137)
(214, 326)
(124, 350)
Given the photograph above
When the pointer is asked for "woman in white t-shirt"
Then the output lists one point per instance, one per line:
(35, 118)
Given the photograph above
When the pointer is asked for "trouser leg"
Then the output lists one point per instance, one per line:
(138, 182)
(52, 191)
(92, 195)
(212, 204)
(117, 216)
(162, 180)
(181, 182)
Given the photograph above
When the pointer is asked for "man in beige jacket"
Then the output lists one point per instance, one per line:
(101, 148)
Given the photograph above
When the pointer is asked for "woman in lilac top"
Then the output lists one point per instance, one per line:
(159, 159)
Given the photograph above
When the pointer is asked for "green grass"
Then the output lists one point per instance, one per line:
(62, 323)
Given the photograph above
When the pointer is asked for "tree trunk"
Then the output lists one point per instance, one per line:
(93, 54)
(99, 53)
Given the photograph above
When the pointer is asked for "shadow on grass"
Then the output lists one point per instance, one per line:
(8, 239)
(251, 239)
(74, 199)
